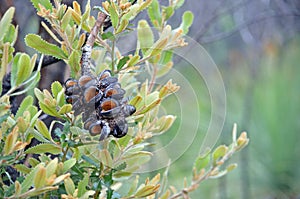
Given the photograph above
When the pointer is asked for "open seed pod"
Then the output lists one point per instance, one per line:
(101, 102)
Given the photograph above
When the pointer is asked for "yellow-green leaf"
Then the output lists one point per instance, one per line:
(10, 141)
(28, 181)
(4, 60)
(123, 25)
(40, 178)
(42, 128)
(18, 188)
(24, 68)
(187, 21)
(36, 42)
(5, 22)
(147, 190)
(50, 111)
(26, 103)
(44, 148)
(56, 87)
(51, 167)
(154, 13)
(69, 185)
(66, 19)
(114, 17)
(219, 152)
(65, 109)
(46, 3)
(145, 36)
(74, 62)
(22, 168)
(68, 164)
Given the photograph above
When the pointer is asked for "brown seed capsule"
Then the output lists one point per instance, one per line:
(83, 80)
(104, 74)
(72, 99)
(112, 113)
(95, 128)
(70, 83)
(109, 104)
(88, 123)
(90, 92)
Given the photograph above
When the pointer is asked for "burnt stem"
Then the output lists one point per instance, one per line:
(87, 48)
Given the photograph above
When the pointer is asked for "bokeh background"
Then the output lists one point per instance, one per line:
(256, 46)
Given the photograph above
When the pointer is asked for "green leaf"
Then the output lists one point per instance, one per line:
(61, 98)
(39, 95)
(68, 164)
(49, 110)
(74, 62)
(168, 12)
(27, 102)
(27, 183)
(108, 35)
(11, 35)
(56, 87)
(66, 19)
(187, 21)
(145, 35)
(4, 61)
(146, 190)
(87, 11)
(219, 152)
(157, 48)
(133, 60)
(83, 184)
(69, 185)
(114, 17)
(231, 167)
(65, 109)
(179, 4)
(122, 62)
(22, 168)
(44, 148)
(144, 5)
(37, 135)
(24, 69)
(123, 25)
(154, 13)
(51, 167)
(42, 128)
(33, 162)
(36, 42)
(14, 69)
(6, 21)
(33, 80)
(166, 56)
(46, 3)
(203, 161)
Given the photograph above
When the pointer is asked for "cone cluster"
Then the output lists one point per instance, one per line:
(101, 102)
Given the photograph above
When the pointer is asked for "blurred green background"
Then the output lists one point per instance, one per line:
(256, 46)
(263, 99)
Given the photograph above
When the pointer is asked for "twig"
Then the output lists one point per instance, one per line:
(87, 48)
(196, 183)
